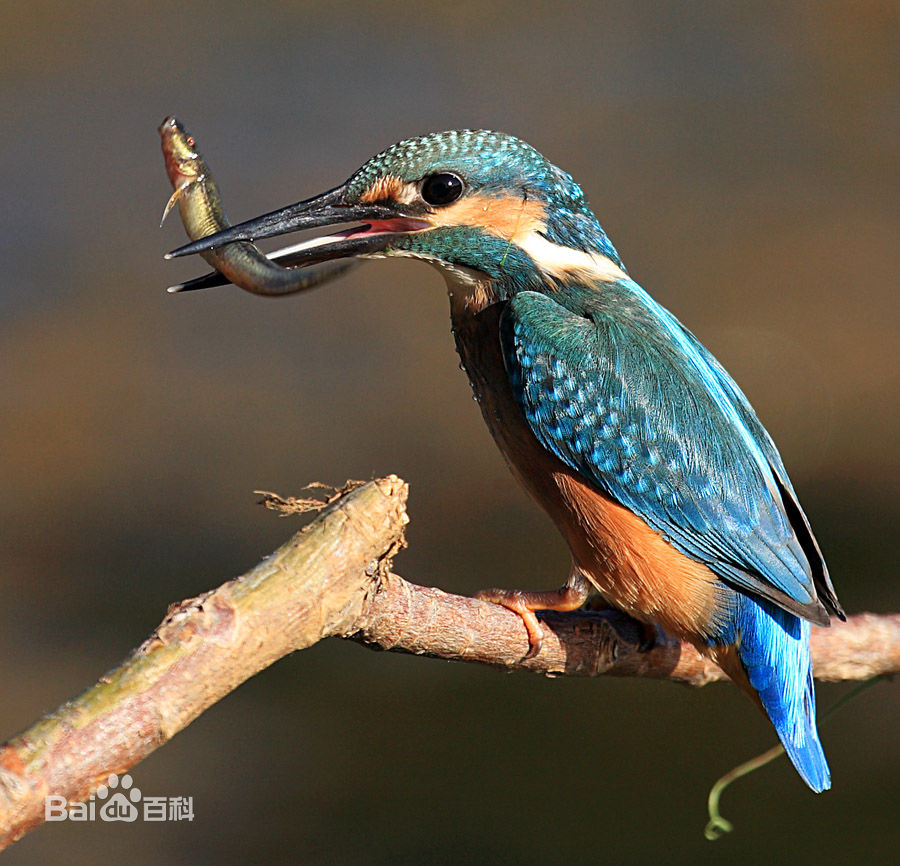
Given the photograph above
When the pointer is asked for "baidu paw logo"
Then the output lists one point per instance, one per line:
(120, 804)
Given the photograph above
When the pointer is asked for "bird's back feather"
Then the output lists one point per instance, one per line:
(626, 397)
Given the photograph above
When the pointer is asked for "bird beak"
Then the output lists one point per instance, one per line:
(381, 224)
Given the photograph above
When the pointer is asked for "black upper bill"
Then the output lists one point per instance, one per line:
(323, 210)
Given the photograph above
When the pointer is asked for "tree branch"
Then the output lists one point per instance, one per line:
(333, 578)
(403, 617)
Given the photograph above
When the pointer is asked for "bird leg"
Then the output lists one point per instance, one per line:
(524, 602)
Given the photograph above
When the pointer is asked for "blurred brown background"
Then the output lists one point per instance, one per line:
(743, 158)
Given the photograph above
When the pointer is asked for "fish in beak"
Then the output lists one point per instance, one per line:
(378, 225)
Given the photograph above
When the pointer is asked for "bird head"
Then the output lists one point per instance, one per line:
(471, 202)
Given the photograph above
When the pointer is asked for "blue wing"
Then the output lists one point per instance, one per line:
(623, 394)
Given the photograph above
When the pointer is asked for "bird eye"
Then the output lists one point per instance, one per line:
(441, 189)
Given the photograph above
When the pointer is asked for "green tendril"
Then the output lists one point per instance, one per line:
(719, 826)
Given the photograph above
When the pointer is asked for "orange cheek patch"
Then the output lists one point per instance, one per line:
(508, 217)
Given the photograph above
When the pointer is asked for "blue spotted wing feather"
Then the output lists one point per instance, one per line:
(623, 394)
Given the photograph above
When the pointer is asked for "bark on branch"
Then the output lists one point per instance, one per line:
(333, 578)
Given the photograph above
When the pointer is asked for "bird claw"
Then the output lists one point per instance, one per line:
(514, 600)
(524, 603)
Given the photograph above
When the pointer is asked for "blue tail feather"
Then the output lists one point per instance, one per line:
(774, 650)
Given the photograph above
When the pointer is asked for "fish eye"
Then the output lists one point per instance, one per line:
(442, 188)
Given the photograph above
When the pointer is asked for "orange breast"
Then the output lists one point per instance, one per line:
(628, 562)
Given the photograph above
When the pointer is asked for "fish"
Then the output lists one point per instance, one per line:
(200, 206)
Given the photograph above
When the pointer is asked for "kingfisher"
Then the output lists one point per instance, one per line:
(669, 492)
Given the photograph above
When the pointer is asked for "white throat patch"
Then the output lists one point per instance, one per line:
(565, 264)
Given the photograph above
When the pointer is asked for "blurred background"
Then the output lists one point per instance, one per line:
(742, 157)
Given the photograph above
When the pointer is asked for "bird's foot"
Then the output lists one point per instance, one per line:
(525, 603)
